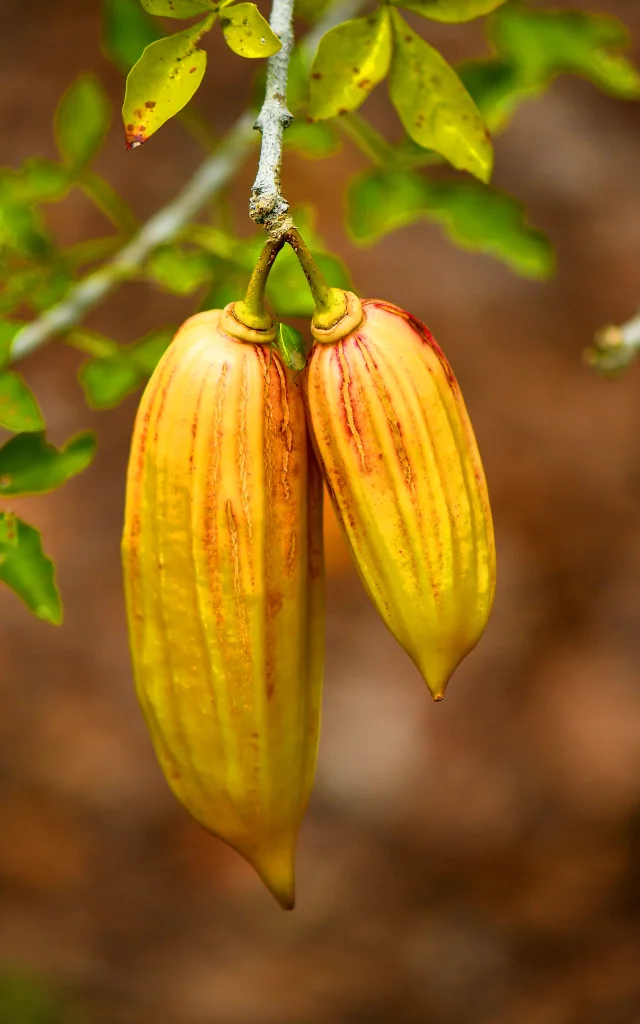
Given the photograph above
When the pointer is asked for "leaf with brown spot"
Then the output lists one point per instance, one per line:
(450, 10)
(247, 33)
(351, 59)
(178, 8)
(163, 81)
(433, 105)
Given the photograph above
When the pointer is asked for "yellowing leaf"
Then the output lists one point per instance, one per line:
(163, 81)
(351, 59)
(433, 105)
(247, 33)
(450, 10)
(177, 8)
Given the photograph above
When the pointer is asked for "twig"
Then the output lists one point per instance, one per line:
(615, 347)
(268, 206)
(210, 178)
(163, 227)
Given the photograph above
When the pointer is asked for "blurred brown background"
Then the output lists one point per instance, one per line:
(474, 862)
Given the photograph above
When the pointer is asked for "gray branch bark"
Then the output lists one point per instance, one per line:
(268, 206)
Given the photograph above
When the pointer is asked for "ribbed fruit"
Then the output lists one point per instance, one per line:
(222, 555)
(402, 467)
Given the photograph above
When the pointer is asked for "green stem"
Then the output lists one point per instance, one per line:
(251, 311)
(331, 303)
(368, 140)
(107, 199)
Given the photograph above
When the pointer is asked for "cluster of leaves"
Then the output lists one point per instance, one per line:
(447, 116)
(170, 70)
(448, 113)
(36, 273)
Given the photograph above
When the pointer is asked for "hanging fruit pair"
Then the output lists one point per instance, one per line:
(222, 546)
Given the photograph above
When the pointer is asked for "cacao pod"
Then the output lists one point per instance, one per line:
(222, 556)
(403, 471)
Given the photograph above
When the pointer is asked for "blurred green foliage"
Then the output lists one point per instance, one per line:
(28, 1000)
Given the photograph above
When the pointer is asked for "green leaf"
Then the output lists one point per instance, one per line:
(126, 31)
(8, 331)
(314, 141)
(311, 10)
(178, 8)
(474, 216)
(146, 353)
(351, 59)
(178, 271)
(247, 33)
(228, 289)
(480, 218)
(21, 228)
(106, 382)
(29, 465)
(543, 44)
(163, 81)
(450, 10)
(26, 569)
(44, 181)
(297, 83)
(433, 105)
(290, 345)
(495, 86)
(379, 201)
(108, 201)
(109, 379)
(82, 120)
(19, 409)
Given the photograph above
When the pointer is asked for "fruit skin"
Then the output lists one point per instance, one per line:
(223, 569)
(400, 460)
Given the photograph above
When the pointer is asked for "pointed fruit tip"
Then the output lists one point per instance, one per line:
(276, 869)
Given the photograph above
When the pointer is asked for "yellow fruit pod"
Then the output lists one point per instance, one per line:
(405, 478)
(224, 580)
